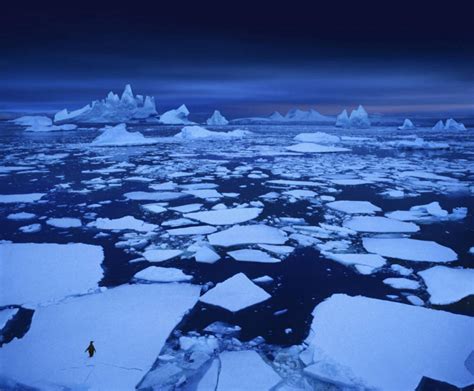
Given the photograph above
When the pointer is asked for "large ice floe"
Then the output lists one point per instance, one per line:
(225, 216)
(431, 212)
(20, 198)
(41, 273)
(36, 123)
(122, 223)
(354, 207)
(112, 109)
(315, 148)
(120, 322)
(245, 370)
(216, 119)
(317, 137)
(198, 132)
(364, 343)
(448, 285)
(410, 249)
(248, 234)
(177, 116)
(359, 119)
(119, 136)
(379, 224)
(234, 294)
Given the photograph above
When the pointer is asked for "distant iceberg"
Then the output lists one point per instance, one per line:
(178, 116)
(451, 124)
(198, 132)
(39, 123)
(342, 120)
(112, 109)
(217, 119)
(407, 125)
(294, 115)
(119, 136)
(359, 119)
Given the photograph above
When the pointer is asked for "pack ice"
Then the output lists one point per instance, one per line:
(364, 343)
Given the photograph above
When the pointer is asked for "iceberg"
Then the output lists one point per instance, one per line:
(235, 294)
(112, 109)
(217, 119)
(448, 285)
(36, 123)
(119, 136)
(276, 116)
(297, 115)
(198, 132)
(342, 120)
(177, 116)
(359, 119)
(439, 126)
(407, 125)
(452, 124)
(387, 345)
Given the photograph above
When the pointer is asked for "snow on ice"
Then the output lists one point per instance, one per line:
(235, 294)
(39, 273)
(387, 345)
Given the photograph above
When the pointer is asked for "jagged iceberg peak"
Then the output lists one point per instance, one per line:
(177, 116)
(359, 119)
(276, 116)
(342, 120)
(451, 124)
(112, 109)
(217, 119)
(407, 125)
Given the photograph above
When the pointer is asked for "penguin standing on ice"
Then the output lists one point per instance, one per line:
(90, 349)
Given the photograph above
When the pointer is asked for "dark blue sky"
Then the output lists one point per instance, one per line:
(243, 58)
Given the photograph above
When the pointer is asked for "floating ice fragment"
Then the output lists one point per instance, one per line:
(379, 224)
(162, 274)
(225, 216)
(248, 234)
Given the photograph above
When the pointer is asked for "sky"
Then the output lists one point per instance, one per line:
(244, 58)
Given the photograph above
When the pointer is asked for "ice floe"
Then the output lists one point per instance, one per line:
(448, 285)
(122, 223)
(198, 132)
(119, 136)
(410, 249)
(379, 224)
(112, 109)
(250, 255)
(178, 116)
(364, 263)
(245, 370)
(248, 234)
(315, 148)
(317, 137)
(428, 213)
(417, 143)
(216, 119)
(5, 315)
(20, 198)
(199, 230)
(21, 216)
(379, 337)
(204, 254)
(64, 222)
(51, 355)
(235, 294)
(161, 255)
(39, 273)
(162, 274)
(402, 283)
(354, 207)
(225, 216)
